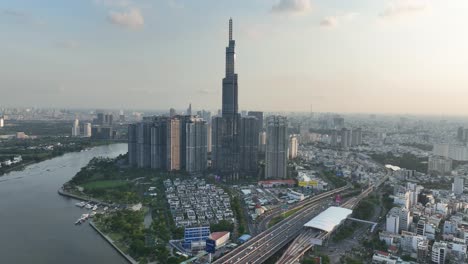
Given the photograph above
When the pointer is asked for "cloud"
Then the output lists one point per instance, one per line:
(113, 3)
(21, 17)
(132, 19)
(175, 4)
(206, 91)
(334, 21)
(399, 8)
(291, 7)
(330, 21)
(68, 44)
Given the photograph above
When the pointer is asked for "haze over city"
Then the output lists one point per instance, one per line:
(404, 56)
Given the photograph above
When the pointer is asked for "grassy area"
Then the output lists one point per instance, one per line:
(281, 217)
(330, 177)
(95, 185)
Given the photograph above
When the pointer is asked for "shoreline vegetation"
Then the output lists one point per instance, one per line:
(124, 189)
(37, 150)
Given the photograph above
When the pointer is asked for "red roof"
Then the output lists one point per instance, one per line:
(382, 253)
(218, 235)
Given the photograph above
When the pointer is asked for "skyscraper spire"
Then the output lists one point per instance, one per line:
(230, 29)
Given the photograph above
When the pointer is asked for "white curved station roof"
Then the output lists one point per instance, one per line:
(329, 219)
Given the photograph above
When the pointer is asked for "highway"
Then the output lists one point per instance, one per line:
(301, 243)
(264, 245)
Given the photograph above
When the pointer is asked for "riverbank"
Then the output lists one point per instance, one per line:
(81, 198)
(31, 195)
(111, 242)
(34, 151)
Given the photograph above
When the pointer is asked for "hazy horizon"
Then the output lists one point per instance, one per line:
(389, 57)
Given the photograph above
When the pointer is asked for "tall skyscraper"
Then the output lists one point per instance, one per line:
(230, 106)
(225, 129)
(259, 116)
(276, 148)
(76, 128)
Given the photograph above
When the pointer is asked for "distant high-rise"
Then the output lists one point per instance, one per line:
(293, 146)
(276, 147)
(259, 116)
(338, 122)
(172, 112)
(2, 121)
(196, 146)
(345, 135)
(76, 128)
(356, 137)
(334, 138)
(87, 130)
(458, 185)
(189, 109)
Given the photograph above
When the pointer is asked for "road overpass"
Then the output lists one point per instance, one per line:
(264, 245)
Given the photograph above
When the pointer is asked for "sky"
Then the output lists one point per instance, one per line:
(379, 56)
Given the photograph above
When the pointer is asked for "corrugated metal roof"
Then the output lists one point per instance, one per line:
(329, 219)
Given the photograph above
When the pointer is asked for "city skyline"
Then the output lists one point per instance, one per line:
(365, 56)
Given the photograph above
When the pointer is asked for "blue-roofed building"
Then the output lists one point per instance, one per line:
(244, 238)
(195, 237)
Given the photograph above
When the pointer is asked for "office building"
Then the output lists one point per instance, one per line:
(345, 136)
(189, 110)
(458, 185)
(196, 145)
(259, 116)
(248, 139)
(392, 223)
(356, 137)
(293, 146)
(439, 164)
(132, 145)
(338, 122)
(76, 128)
(172, 112)
(334, 138)
(2, 121)
(276, 147)
(102, 132)
(262, 141)
(161, 142)
(87, 130)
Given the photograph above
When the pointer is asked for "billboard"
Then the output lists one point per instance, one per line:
(308, 183)
(210, 246)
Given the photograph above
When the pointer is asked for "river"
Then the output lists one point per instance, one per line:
(37, 224)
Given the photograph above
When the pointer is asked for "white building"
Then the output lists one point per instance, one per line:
(439, 164)
(457, 185)
(87, 130)
(392, 224)
(293, 146)
(439, 252)
(76, 128)
(2, 121)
